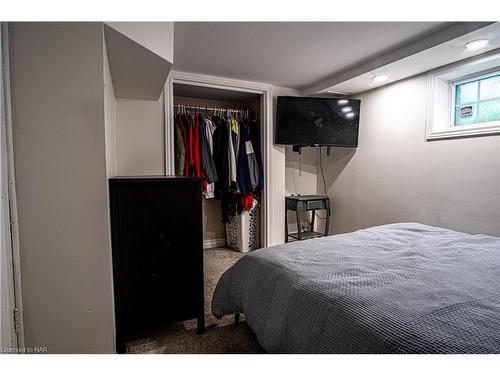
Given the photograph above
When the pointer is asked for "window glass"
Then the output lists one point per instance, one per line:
(489, 111)
(478, 101)
(466, 93)
(490, 88)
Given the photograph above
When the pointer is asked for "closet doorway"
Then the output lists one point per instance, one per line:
(195, 91)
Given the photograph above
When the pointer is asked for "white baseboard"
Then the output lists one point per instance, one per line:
(216, 242)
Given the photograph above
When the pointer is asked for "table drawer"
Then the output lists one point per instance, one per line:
(316, 205)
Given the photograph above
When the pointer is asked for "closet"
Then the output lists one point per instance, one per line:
(191, 101)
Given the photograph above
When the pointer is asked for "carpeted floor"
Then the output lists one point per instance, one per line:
(221, 335)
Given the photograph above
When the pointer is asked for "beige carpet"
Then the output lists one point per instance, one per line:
(221, 335)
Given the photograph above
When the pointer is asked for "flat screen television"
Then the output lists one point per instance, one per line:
(306, 121)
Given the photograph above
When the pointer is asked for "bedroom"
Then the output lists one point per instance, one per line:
(106, 254)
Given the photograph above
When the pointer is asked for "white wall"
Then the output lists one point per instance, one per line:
(395, 175)
(60, 161)
(140, 134)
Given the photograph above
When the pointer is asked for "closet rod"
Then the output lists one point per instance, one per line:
(210, 108)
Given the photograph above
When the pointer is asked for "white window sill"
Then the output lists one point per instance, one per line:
(466, 131)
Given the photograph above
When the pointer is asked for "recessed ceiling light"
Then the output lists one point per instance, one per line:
(380, 78)
(349, 115)
(476, 44)
(343, 101)
(346, 109)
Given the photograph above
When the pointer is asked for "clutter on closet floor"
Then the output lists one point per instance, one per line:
(222, 146)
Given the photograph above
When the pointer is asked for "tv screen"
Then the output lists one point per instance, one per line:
(306, 121)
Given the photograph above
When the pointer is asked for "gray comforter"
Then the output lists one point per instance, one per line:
(398, 288)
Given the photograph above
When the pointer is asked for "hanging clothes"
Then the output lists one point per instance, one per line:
(196, 147)
(225, 164)
(221, 156)
(224, 151)
(181, 122)
(207, 162)
(232, 156)
(235, 133)
(191, 132)
(247, 201)
(191, 126)
(180, 149)
(249, 172)
(255, 139)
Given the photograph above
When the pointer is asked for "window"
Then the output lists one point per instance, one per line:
(464, 98)
(477, 101)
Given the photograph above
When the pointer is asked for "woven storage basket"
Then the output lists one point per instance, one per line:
(242, 231)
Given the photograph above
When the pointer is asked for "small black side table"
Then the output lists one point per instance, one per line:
(300, 204)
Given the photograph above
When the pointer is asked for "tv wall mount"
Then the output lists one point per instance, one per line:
(298, 148)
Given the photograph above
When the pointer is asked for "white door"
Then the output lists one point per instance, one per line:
(9, 341)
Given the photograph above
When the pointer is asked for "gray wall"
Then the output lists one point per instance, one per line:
(109, 116)
(8, 339)
(301, 178)
(395, 175)
(140, 134)
(158, 37)
(60, 161)
(281, 173)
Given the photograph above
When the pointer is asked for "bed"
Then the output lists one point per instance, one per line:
(397, 288)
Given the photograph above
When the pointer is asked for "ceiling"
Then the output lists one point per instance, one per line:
(398, 66)
(310, 56)
(290, 54)
(194, 91)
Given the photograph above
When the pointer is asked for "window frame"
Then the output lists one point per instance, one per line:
(441, 91)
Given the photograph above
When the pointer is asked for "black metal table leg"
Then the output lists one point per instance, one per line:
(200, 327)
(286, 225)
(236, 319)
(312, 220)
(327, 222)
(299, 222)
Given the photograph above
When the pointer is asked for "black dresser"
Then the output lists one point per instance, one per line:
(157, 242)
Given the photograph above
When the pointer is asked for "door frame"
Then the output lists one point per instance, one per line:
(266, 131)
(13, 250)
